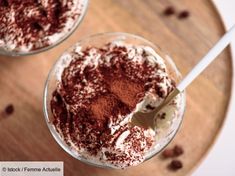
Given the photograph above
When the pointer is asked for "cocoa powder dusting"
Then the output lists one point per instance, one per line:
(128, 92)
(103, 106)
(92, 100)
(29, 23)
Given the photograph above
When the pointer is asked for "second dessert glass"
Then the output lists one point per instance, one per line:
(83, 5)
(100, 40)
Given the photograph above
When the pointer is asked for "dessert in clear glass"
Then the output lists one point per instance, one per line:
(32, 26)
(94, 89)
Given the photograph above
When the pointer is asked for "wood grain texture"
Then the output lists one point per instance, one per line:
(25, 136)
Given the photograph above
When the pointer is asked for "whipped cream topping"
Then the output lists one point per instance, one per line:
(99, 90)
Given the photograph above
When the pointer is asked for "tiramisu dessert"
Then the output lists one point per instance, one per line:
(29, 25)
(98, 91)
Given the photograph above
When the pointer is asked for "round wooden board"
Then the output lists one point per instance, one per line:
(25, 136)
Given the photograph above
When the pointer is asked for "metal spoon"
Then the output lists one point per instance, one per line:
(146, 119)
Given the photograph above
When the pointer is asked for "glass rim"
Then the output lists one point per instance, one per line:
(58, 42)
(52, 129)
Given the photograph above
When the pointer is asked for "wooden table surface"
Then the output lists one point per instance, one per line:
(25, 136)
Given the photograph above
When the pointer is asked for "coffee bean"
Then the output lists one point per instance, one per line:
(169, 11)
(175, 165)
(9, 109)
(178, 150)
(184, 14)
(168, 153)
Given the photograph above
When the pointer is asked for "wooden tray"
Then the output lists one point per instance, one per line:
(25, 136)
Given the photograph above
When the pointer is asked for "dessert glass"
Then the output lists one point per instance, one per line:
(100, 40)
(36, 51)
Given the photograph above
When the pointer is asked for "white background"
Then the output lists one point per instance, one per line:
(221, 159)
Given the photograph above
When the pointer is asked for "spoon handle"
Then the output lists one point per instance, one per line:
(207, 59)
